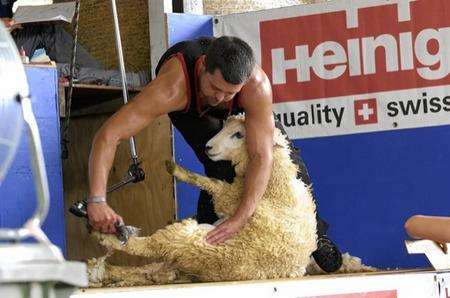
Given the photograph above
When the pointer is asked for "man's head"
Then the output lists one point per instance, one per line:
(229, 62)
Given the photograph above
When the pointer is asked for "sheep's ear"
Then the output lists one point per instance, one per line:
(279, 140)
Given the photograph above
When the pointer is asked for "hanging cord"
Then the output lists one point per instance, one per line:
(65, 132)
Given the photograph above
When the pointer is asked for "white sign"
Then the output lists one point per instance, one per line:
(352, 67)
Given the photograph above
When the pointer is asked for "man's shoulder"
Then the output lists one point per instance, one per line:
(173, 66)
(171, 81)
(258, 77)
(257, 90)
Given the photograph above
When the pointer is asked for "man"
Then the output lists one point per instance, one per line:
(435, 228)
(200, 83)
(6, 14)
(57, 43)
(6, 8)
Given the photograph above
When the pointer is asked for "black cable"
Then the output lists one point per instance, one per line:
(65, 130)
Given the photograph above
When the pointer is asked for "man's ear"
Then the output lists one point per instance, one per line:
(203, 60)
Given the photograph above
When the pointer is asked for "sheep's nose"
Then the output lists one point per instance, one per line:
(207, 148)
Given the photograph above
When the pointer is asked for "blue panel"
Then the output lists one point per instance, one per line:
(187, 26)
(17, 193)
(183, 27)
(367, 185)
(187, 195)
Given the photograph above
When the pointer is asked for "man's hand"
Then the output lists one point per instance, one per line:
(10, 24)
(102, 218)
(226, 230)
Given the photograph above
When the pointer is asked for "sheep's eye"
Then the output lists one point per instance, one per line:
(237, 135)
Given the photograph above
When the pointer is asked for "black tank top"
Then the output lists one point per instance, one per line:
(199, 127)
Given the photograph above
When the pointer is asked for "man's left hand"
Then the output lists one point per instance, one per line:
(226, 230)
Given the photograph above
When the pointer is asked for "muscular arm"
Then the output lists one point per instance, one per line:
(259, 126)
(256, 99)
(164, 94)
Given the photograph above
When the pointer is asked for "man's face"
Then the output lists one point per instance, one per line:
(216, 90)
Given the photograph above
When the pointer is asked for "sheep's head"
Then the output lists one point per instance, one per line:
(230, 143)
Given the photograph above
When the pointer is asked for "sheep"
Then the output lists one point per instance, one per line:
(102, 274)
(275, 243)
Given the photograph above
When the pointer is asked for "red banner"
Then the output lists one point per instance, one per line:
(321, 56)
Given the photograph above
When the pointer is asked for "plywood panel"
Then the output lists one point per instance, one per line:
(149, 204)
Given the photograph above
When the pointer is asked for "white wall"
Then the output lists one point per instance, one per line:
(221, 7)
(30, 2)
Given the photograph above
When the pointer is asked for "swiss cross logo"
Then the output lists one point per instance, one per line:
(366, 111)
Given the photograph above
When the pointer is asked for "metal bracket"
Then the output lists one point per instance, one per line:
(435, 252)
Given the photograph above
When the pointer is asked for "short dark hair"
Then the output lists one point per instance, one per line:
(232, 56)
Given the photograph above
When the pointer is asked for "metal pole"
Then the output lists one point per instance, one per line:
(123, 73)
(37, 161)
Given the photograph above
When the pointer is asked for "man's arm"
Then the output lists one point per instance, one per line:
(256, 98)
(435, 228)
(164, 94)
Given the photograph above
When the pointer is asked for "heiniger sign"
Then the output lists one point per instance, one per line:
(360, 68)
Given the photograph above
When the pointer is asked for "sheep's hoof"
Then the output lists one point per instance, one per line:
(170, 166)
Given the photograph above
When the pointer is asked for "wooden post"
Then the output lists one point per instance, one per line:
(158, 29)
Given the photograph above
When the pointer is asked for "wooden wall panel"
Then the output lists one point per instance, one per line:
(96, 32)
(148, 205)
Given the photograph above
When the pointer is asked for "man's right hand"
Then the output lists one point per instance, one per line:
(10, 24)
(102, 217)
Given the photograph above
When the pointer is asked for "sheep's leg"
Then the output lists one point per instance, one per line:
(102, 274)
(167, 243)
(134, 245)
(211, 185)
